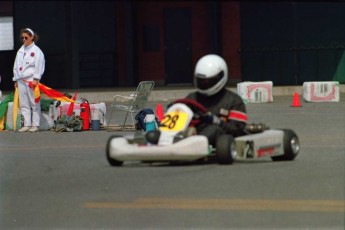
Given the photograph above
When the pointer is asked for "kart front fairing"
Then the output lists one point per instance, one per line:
(176, 120)
(188, 149)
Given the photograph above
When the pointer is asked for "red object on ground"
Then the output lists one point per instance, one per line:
(159, 112)
(295, 101)
(85, 114)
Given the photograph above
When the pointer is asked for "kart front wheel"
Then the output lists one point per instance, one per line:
(110, 160)
(225, 149)
(291, 146)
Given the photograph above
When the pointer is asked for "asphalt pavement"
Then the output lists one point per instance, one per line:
(52, 180)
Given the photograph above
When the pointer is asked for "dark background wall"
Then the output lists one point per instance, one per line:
(291, 42)
(119, 43)
(78, 39)
(48, 19)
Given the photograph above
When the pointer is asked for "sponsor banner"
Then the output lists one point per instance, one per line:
(323, 91)
(255, 92)
(46, 121)
(99, 108)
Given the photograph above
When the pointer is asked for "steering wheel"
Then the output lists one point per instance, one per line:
(197, 108)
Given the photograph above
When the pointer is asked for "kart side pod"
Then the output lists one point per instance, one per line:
(278, 144)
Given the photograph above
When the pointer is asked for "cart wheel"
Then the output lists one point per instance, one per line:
(291, 146)
(226, 149)
(112, 161)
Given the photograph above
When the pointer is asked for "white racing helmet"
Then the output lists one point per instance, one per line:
(211, 74)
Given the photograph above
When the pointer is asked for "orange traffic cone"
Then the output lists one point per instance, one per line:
(295, 101)
(159, 112)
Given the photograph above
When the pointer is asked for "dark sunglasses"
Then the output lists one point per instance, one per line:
(25, 38)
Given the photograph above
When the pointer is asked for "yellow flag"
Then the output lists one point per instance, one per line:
(37, 94)
(2, 123)
(15, 108)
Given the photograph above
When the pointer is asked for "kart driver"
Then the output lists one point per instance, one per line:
(227, 112)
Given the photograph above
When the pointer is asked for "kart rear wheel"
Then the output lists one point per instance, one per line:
(110, 160)
(225, 149)
(291, 146)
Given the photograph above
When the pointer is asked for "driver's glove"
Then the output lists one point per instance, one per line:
(209, 118)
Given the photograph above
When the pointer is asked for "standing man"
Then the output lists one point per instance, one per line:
(28, 69)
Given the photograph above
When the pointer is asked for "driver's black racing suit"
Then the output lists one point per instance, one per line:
(229, 107)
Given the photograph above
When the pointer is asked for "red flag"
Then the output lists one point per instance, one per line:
(54, 94)
(71, 106)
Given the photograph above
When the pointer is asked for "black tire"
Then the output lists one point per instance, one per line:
(225, 151)
(110, 160)
(291, 146)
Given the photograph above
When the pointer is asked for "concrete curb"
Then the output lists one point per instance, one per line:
(165, 93)
(160, 94)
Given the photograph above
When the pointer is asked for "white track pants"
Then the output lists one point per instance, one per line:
(30, 110)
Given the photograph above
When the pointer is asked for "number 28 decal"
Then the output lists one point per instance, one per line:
(174, 121)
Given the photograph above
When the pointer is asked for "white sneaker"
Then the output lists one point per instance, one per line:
(24, 129)
(33, 129)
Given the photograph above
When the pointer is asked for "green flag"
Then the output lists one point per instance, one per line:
(4, 104)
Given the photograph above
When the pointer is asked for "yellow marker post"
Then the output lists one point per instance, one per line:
(2, 123)
(15, 109)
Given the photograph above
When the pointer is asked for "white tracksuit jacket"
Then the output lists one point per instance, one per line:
(28, 65)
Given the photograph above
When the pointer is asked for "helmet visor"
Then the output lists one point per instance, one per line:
(205, 83)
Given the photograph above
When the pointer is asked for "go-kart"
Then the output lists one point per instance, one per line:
(177, 140)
